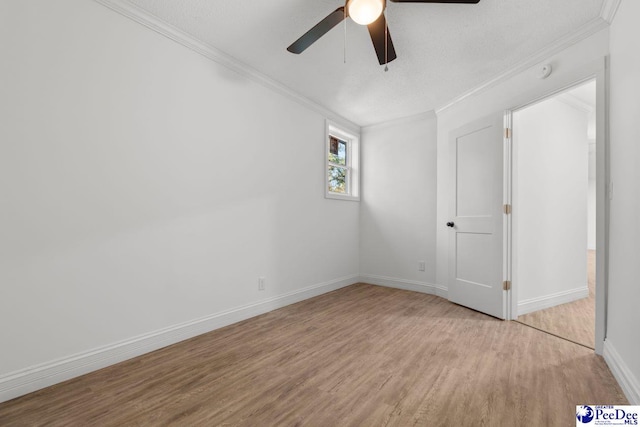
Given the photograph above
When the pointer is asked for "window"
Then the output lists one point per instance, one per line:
(341, 157)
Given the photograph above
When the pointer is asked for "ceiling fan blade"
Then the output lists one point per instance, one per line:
(437, 1)
(319, 30)
(377, 33)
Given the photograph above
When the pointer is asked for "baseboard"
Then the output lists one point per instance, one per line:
(628, 382)
(408, 285)
(548, 301)
(37, 377)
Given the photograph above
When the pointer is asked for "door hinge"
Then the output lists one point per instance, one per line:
(507, 209)
(506, 285)
(507, 133)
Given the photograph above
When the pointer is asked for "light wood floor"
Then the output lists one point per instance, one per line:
(576, 320)
(363, 355)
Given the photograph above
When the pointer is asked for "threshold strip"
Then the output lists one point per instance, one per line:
(557, 336)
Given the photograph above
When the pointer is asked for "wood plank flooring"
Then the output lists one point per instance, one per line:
(576, 320)
(360, 356)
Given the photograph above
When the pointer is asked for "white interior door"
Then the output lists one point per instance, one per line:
(476, 216)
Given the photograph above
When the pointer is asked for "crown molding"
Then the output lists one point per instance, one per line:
(609, 9)
(150, 21)
(559, 45)
(427, 115)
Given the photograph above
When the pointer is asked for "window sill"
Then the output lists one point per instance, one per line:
(336, 196)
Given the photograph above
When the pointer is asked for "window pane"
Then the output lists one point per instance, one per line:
(337, 151)
(337, 179)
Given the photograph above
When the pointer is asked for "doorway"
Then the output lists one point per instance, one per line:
(554, 214)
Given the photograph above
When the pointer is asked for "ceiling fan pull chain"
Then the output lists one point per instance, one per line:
(386, 36)
(345, 35)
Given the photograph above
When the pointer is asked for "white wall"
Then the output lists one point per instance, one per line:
(514, 92)
(550, 176)
(397, 215)
(144, 185)
(139, 190)
(591, 199)
(624, 256)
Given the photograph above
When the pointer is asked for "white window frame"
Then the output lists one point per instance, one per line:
(352, 166)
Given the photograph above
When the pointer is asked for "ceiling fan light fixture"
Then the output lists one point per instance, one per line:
(364, 12)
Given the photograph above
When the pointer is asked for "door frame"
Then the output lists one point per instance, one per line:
(596, 71)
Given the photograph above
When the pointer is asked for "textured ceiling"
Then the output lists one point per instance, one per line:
(443, 50)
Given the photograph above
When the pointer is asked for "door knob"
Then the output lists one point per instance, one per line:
(450, 224)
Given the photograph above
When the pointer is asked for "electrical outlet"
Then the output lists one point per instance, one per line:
(261, 281)
(421, 266)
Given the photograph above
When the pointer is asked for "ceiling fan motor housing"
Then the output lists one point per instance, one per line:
(364, 12)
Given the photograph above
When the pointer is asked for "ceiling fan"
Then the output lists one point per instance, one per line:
(363, 12)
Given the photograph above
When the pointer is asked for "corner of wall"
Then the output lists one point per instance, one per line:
(628, 382)
(407, 285)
